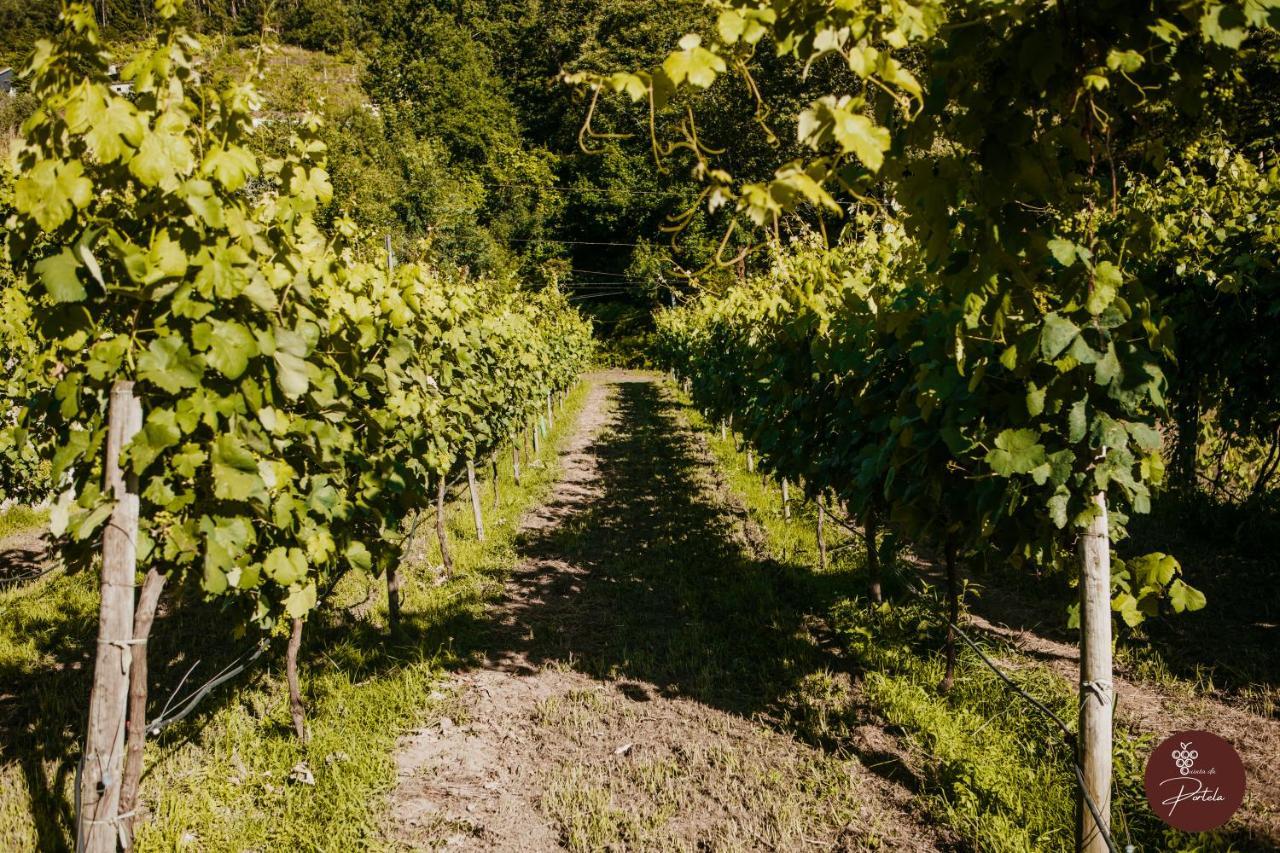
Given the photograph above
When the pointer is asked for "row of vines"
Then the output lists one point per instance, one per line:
(1031, 203)
(220, 392)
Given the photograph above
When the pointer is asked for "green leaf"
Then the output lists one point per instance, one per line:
(1064, 251)
(229, 346)
(291, 366)
(51, 191)
(115, 131)
(1077, 421)
(1057, 506)
(59, 275)
(1056, 335)
(1127, 606)
(1146, 436)
(164, 155)
(693, 63)
(1035, 400)
(1016, 452)
(158, 434)
(867, 140)
(1108, 368)
(231, 167)
(168, 364)
(1106, 283)
(730, 24)
(358, 556)
(235, 471)
(285, 566)
(300, 601)
(1184, 597)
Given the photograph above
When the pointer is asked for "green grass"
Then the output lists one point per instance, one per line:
(21, 519)
(991, 768)
(220, 780)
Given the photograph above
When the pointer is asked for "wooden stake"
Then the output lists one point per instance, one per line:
(873, 559)
(786, 501)
(537, 446)
(296, 709)
(477, 513)
(394, 584)
(1096, 691)
(144, 617)
(441, 492)
(751, 461)
(103, 761)
(822, 536)
(953, 598)
(515, 463)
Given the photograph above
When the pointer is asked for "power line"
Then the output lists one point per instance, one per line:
(601, 272)
(564, 189)
(568, 242)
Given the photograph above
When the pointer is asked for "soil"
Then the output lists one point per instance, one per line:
(552, 748)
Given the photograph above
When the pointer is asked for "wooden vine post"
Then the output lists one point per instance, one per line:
(1096, 691)
(103, 762)
(786, 500)
(393, 598)
(297, 710)
(953, 608)
(442, 491)
(822, 536)
(144, 616)
(477, 514)
(873, 559)
(515, 463)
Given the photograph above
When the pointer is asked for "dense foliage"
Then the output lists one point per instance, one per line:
(297, 399)
(1012, 366)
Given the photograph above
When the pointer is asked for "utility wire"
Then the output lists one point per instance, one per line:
(564, 189)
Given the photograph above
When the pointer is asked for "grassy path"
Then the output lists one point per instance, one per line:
(628, 691)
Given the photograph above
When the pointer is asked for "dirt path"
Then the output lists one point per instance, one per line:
(618, 700)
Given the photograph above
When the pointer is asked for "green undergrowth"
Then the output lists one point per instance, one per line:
(21, 519)
(987, 765)
(232, 776)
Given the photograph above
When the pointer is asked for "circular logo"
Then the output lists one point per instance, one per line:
(1194, 781)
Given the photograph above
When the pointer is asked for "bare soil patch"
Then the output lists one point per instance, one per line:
(612, 708)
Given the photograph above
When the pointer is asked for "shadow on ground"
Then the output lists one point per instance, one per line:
(651, 581)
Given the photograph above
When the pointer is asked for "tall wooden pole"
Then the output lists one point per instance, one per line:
(144, 616)
(103, 761)
(442, 533)
(786, 500)
(1096, 691)
(297, 710)
(477, 513)
(822, 536)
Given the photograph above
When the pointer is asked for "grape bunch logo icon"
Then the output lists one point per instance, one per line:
(1185, 758)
